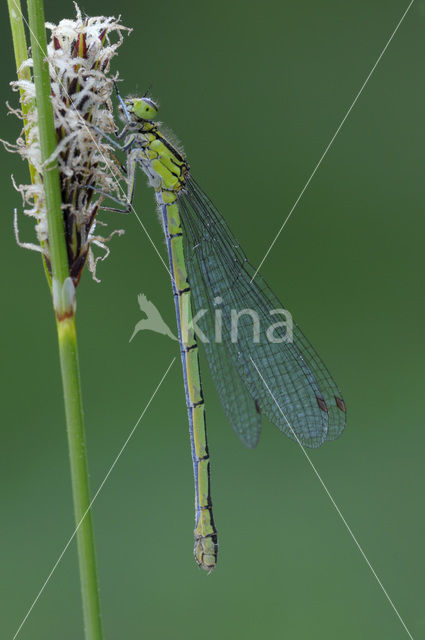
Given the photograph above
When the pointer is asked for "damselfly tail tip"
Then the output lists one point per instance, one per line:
(206, 551)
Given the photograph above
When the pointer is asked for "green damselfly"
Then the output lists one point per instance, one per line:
(283, 378)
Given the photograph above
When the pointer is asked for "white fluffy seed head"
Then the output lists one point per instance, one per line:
(79, 55)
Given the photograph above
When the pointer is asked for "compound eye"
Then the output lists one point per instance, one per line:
(144, 108)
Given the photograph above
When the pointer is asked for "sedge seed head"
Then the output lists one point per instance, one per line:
(79, 55)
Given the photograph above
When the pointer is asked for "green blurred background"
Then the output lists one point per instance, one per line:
(255, 92)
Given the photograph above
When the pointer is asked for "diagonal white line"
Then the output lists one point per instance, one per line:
(150, 239)
(347, 526)
(332, 139)
(106, 160)
(117, 457)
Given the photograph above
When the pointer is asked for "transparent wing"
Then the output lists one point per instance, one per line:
(287, 381)
(239, 406)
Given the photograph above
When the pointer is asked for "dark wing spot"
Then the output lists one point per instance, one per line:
(340, 404)
(257, 406)
(322, 404)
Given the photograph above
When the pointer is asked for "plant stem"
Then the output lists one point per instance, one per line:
(48, 142)
(28, 106)
(21, 54)
(64, 306)
(80, 485)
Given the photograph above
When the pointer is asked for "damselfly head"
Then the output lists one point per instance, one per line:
(141, 108)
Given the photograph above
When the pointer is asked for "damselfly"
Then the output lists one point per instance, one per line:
(257, 369)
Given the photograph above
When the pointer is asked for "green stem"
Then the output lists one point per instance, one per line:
(28, 106)
(21, 54)
(48, 142)
(64, 308)
(80, 485)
